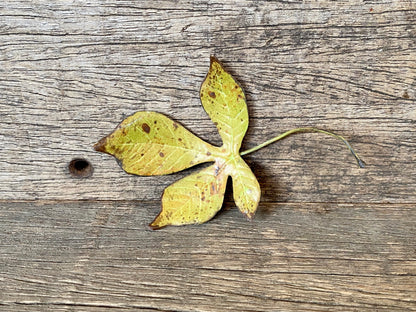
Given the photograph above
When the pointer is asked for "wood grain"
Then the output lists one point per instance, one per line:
(328, 237)
(99, 256)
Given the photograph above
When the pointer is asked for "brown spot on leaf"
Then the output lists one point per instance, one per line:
(180, 139)
(239, 96)
(161, 154)
(203, 198)
(155, 122)
(175, 125)
(208, 153)
(115, 150)
(146, 127)
(212, 94)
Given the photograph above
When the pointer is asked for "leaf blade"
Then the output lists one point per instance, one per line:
(149, 143)
(224, 101)
(246, 188)
(194, 199)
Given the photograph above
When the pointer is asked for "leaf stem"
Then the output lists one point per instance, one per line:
(298, 130)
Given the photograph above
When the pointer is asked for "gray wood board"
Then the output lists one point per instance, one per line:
(328, 236)
(72, 71)
(315, 257)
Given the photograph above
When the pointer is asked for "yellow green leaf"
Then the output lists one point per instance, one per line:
(224, 101)
(149, 143)
(193, 199)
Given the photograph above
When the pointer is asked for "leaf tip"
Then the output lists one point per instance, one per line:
(213, 60)
(249, 216)
(100, 146)
(156, 224)
(153, 226)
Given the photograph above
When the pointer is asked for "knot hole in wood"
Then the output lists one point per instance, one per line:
(80, 168)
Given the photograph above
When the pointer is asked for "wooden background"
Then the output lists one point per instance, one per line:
(328, 236)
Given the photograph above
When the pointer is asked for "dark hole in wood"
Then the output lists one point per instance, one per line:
(80, 168)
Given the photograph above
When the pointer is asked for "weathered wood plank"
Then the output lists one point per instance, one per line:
(328, 236)
(72, 71)
(292, 257)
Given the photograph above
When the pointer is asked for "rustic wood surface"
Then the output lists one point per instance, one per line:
(328, 236)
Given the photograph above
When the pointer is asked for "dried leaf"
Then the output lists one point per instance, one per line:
(150, 143)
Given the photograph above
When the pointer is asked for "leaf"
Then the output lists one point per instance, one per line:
(149, 143)
(193, 199)
(246, 188)
(224, 101)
